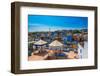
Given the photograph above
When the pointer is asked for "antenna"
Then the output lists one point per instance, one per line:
(49, 29)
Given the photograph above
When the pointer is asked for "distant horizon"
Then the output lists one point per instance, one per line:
(38, 23)
(59, 30)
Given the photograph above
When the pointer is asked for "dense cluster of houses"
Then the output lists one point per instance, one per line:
(61, 42)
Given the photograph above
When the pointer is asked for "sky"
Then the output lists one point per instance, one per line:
(38, 23)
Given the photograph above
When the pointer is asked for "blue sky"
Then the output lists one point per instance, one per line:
(38, 23)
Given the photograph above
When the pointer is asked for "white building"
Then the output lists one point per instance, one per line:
(83, 51)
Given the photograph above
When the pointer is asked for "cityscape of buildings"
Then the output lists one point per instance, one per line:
(57, 37)
(72, 41)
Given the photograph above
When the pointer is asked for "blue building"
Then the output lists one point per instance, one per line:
(69, 38)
